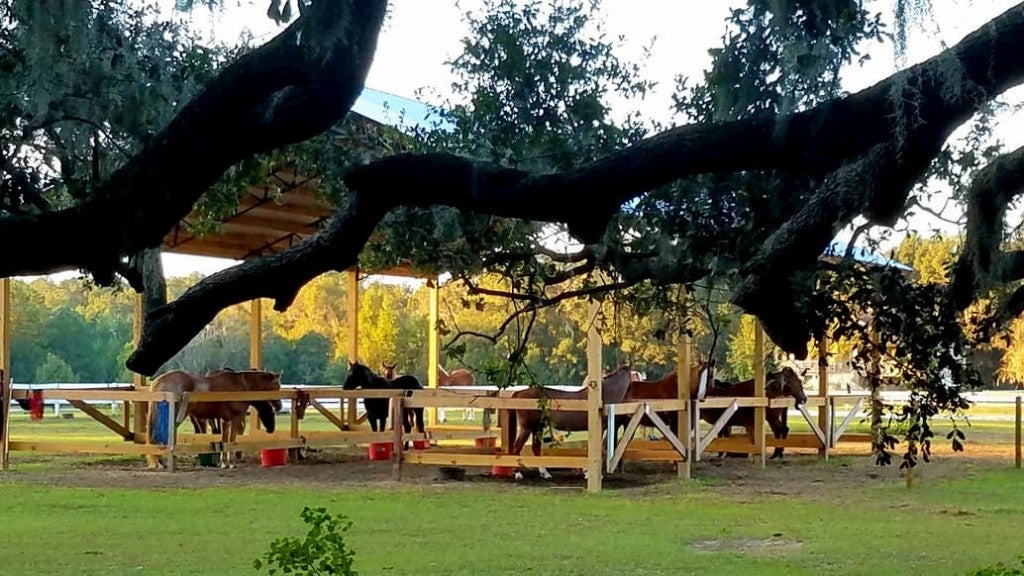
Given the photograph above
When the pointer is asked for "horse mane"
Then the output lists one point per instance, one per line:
(265, 411)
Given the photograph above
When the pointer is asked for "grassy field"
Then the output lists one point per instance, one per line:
(108, 516)
(940, 527)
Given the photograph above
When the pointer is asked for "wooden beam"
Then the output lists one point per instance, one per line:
(338, 422)
(684, 419)
(255, 348)
(824, 415)
(433, 345)
(102, 418)
(759, 385)
(594, 382)
(5, 372)
(627, 437)
(352, 321)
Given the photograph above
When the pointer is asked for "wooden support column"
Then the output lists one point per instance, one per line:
(594, 420)
(824, 410)
(759, 385)
(684, 428)
(255, 350)
(433, 346)
(139, 409)
(353, 336)
(5, 372)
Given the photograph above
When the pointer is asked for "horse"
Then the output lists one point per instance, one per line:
(360, 376)
(231, 414)
(388, 370)
(457, 377)
(530, 422)
(785, 382)
(778, 384)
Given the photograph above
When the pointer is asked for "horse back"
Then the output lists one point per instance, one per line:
(405, 382)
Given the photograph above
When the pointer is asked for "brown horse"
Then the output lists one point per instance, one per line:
(531, 422)
(230, 414)
(785, 382)
(457, 377)
(779, 384)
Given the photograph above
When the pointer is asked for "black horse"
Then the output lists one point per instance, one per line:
(360, 376)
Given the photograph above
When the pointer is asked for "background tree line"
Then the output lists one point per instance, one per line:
(71, 331)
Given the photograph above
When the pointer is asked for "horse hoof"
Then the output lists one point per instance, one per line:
(586, 474)
(546, 475)
(519, 475)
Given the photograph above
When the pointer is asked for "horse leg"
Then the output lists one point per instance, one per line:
(536, 452)
(420, 426)
(224, 456)
(520, 443)
(779, 429)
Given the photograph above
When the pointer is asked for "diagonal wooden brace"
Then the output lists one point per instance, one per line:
(838, 432)
(814, 425)
(703, 443)
(666, 431)
(627, 437)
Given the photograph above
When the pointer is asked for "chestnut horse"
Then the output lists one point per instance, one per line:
(531, 422)
(200, 424)
(230, 414)
(785, 382)
(360, 376)
(457, 377)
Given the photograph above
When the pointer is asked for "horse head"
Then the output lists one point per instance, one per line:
(359, 376)
(789, 383)
(388, 370)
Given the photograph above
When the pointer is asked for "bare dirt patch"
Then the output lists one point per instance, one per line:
(796, 474)
(775, 544)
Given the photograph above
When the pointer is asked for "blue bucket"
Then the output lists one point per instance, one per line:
(159, 431)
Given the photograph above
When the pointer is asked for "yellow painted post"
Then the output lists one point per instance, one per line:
(5, 372)
(824, 413)
(594, 420)
(759, 385)
(684, 351)
(353, 335)
(140, 410)
(255, 349)
(433, 346)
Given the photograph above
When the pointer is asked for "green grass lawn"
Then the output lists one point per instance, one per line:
(942, 527)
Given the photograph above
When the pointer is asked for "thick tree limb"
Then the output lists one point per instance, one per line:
(335, 248)
(288, 90)
(817, 141)
(888, 146)
(982, 263)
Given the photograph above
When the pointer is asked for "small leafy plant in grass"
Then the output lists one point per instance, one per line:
(1000, 569)
(322, 552)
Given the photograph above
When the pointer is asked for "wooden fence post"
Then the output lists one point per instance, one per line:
(824, 415)
(594, 374)
(397, 417)
(759, 384)
(1017, 434)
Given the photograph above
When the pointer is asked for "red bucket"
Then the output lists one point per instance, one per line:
(503, 470)
(381, 450)
(273, 457)
(486, 442)
(420, 444)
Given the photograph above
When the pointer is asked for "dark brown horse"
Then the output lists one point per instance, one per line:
(360, 376)
(231, 414)
(531, 422)
(779, 384)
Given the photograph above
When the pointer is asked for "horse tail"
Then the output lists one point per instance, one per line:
(265, 411)
(150, 420)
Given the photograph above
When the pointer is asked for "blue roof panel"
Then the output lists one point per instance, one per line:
(860, 254)
(399, 112)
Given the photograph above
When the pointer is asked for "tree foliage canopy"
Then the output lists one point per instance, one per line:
(100, 117)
